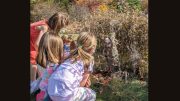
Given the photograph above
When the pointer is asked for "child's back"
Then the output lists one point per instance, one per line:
(64, 83)
(50, 54)
(70, 81)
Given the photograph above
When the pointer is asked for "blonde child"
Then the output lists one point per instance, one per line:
(50, 55)
(71, 80)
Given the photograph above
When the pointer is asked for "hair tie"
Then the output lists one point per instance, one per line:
(80, 46)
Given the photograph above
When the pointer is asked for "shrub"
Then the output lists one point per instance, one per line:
(43, 10)
(131, 37)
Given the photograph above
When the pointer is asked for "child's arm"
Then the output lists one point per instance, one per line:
(85, 79)
(86, 76)
(43, 30)
(88, 83)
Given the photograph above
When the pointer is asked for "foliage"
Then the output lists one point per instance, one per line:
(130, 43)
(131, 35)
(136, 4)
(129, 5)
(64, 4)
(43, 10)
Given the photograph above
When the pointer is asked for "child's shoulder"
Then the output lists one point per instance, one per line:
(70, 63)
(51, 65)
(39, 23)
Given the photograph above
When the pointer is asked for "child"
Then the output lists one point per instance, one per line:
(50, 54)
(37, 29)
(71, 79)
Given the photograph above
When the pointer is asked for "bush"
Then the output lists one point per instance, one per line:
(43, 10)
(130, 40)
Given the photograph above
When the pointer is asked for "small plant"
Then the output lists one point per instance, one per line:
(136, 4)
(64, 4)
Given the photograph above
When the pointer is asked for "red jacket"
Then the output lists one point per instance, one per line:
(34, 33)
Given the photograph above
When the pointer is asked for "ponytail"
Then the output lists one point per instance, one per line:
(86, 57)
(85, 43)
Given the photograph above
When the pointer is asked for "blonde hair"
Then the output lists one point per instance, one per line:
(86, 42)
(64, 37)
(50, 49)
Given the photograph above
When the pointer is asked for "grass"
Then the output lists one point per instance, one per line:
(117, 90)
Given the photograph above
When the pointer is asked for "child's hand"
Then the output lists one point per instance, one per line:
(86, 75)
(88, 83)
(42, 28)
(85, 79)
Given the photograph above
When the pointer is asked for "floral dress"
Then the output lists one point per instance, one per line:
(43, 95)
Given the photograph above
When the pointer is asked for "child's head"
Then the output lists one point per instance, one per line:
(58, 21)
(86, 45)
(86, 42)
(50, 49)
